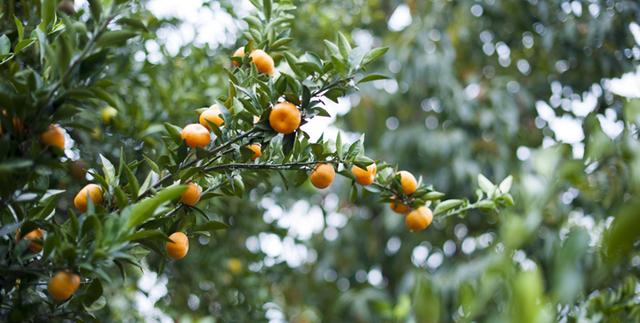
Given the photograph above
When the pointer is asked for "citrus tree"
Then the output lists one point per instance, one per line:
(93, 181)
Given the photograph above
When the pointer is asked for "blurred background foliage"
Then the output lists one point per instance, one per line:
(527, 88)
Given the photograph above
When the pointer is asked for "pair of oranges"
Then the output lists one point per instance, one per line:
(416, 219)
(323, 174)
(65, 283)
(198, 134)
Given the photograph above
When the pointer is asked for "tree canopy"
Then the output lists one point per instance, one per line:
(169, 164)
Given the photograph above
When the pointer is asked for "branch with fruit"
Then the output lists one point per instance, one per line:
(251, 132)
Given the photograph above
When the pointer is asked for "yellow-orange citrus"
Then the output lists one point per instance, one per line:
(53, 137)
(62, 285)
(264, 63)
(322, 175)
(238, 53)
(408, 182)
(108, 113)
(256, 149)
(364, 176)
(196, 135)
(285, 118)
(234, 265)
(191, 195)
(211, 114)
(178, 247)
(37, 234)
(419, 219)
(95, 194)
(399, 207)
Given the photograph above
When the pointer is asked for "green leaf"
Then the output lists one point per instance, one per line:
(5, 45)
(266, 8)
(109, 170)
(619, 239)
(47, 13)
(19, 28)
(432, 196)
(174, 132)
(105, 96)
(287, 143)
(96, 9)
(505, 185)
(92, 293)
(13, 165)
(210, 226)
(147, 234)
(115, 38)
(143, 210)
(486, 185)
(373, 55)
(343, 45)
(132, 181)
(152, 164)
(363, 161)
(373, 77)
(333, 49)
(132, 23)
(447, 205)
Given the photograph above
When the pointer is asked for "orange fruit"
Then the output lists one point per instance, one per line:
(364, 176)
(62, 285)
(257, 151)
(264, 63)
(178, 247)
(37, 234)
(322, 175)
(399, 207)
(213, 115)
(238, 53)
(285, 118)
(95, 194)
(196, 135)
(53, 137)
(419, 219)
(408, 182)
(191, 196)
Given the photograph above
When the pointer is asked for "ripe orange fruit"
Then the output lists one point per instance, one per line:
(364, 177)
(196, 135)
(257, 151)
(62, 285)
(95, 194)
(191, 196)
(419, 219)
(399, 207)
(264, 63)
(322, 175)
(53, 137)
(408, 182)
(238, 53)
(178, 247)
(285, 118)
(211, 114)
(37, 234)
